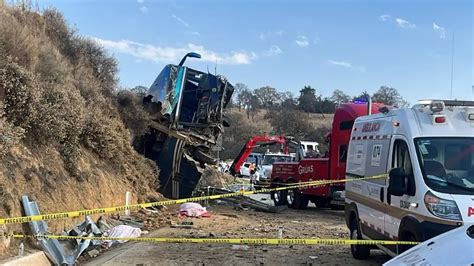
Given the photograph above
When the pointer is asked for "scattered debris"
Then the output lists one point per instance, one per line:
(93, 253)
(132, 221)
(87, 228)
(230, 215)
(244, 201)
(184, 224)
(313, 257)
(107, 223)
(240, 247)
(66, 252)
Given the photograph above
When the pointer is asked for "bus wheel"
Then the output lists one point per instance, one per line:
(359, 252)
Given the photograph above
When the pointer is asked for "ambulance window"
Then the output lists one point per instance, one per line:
(346, 125)
(310, 147)
(401, 159)
(457, 157)
(342, 153)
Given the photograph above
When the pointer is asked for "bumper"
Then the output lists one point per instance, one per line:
(429, 230)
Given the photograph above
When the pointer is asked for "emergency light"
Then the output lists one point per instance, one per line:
(437, 106)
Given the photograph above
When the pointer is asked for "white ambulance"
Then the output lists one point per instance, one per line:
(427, 155)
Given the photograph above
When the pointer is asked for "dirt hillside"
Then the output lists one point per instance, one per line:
(65, 128)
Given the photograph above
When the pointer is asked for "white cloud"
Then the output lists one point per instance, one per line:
(265, 35)
(385, 17)
(180, 20)
(404, 23)
(340, 63)
(140, 1)
(348, 65)
(302, 41)
(440, 30)
(144, 9)
(273, 50)
(195, 33)
(174, 54)
(279, 32)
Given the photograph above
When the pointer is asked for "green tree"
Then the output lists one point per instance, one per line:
(307, 100)
(288, 100)
(326, 105)
(289, 122)
(267, 96)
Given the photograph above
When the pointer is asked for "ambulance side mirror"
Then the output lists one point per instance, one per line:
(398, 180)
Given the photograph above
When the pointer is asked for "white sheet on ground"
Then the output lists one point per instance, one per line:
(122, 231)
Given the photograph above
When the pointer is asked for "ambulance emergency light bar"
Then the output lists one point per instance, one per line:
(437, 106)
(448, 102)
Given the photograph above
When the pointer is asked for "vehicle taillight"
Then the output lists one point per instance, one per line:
(440, 119)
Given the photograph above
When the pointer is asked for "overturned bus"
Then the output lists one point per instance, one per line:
(186, 107)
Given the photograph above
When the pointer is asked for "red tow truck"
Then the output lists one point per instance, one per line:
(332, 166)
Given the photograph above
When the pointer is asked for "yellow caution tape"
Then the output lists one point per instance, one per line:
(134, 207)
(247, 241)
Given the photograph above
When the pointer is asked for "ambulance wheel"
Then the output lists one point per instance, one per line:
(359, 252)
(300, 201)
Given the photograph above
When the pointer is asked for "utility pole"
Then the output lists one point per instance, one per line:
(452, 67)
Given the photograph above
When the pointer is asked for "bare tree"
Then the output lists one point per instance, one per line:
(338, 97)
(389, 96)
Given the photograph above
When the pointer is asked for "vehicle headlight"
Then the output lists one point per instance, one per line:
(442, 208)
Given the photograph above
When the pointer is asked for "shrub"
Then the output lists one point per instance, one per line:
(60, 114)
(17, 40)
(104, 67)
(132, 112)
(9, 135)
(56, 28)
(21, 91)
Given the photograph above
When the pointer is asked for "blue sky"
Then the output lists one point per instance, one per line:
(347, 45)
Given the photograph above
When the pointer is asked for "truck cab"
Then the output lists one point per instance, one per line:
(412, 174)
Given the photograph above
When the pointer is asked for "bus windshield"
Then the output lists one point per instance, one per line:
(447, 163)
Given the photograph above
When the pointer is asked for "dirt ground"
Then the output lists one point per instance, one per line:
(227, 222)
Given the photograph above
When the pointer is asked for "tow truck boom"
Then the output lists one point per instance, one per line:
(254, 142)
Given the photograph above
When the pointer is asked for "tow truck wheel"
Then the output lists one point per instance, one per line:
(359, 252)
(290, 198)
(279, 197)
(300, 201)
